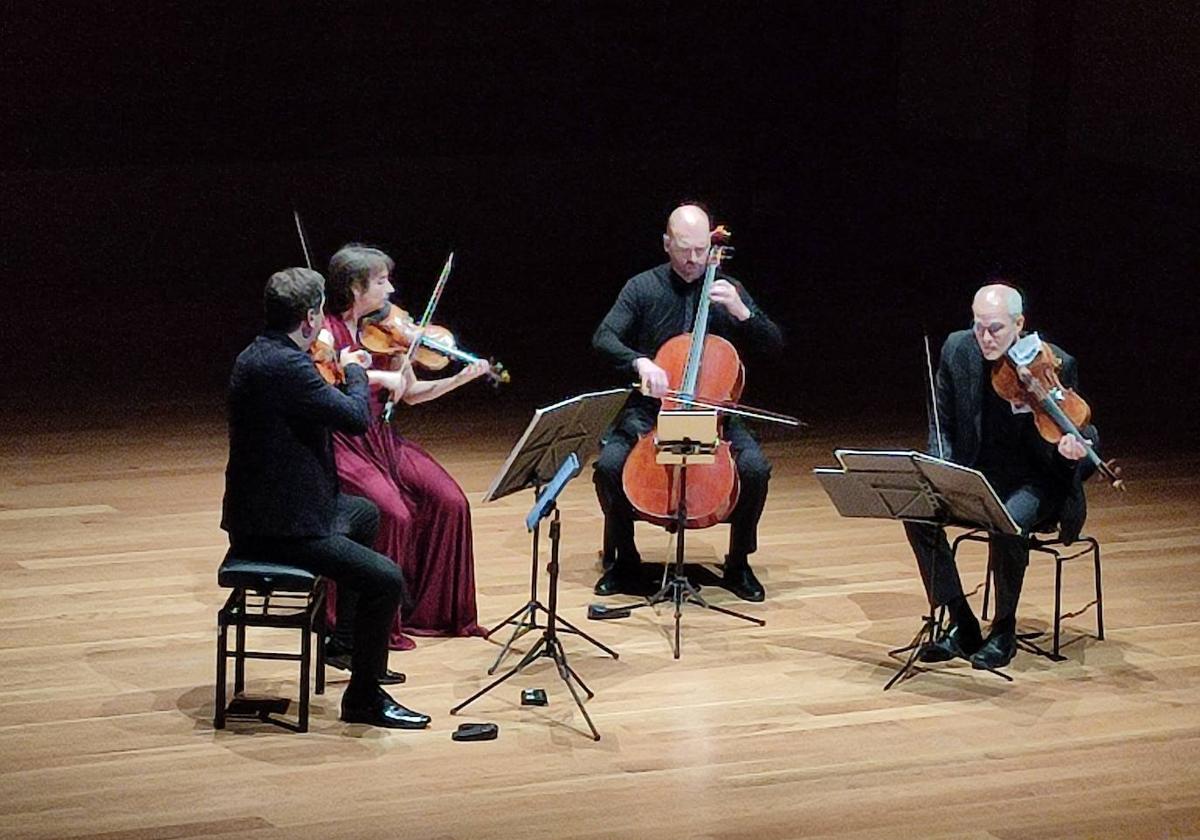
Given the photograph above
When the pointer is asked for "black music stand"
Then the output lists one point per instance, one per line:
(571, 427)
(549, 645)
(912, 486)
(684, 436)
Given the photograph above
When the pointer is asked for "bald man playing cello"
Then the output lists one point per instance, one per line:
(1040, 483)
(652, 308)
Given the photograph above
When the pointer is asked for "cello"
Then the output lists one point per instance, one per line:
(701, 368)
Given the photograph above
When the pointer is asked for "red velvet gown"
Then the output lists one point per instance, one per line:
(424, 520)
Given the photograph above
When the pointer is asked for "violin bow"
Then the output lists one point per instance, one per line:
(303, 238)
(426, 318)
(937, 421)
(726, 407)
(423, 325)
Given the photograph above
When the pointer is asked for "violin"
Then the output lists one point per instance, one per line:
(322, 351)
(325, 356)
(1027, 376)
(390, 331)
(700, 368)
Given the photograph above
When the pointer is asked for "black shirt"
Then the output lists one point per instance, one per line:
(658, 305)
(1006, 440)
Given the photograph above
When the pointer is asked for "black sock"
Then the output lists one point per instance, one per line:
(1007, 624)
(625, 560)
(362, 692)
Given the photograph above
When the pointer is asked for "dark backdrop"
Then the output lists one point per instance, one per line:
(874, 161)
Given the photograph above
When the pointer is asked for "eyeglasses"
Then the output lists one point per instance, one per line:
(994, 328)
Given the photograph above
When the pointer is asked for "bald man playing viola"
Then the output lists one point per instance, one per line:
(1040, 483)
(652, 308)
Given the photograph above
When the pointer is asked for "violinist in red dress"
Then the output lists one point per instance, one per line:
(424, 516)
(1041, 483)
(652, 308)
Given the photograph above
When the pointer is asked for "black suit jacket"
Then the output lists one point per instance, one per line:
(281, 480)
(962, 375)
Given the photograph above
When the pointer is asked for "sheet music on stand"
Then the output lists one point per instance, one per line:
(909, 485)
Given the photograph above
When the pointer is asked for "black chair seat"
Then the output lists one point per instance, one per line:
(263, 575)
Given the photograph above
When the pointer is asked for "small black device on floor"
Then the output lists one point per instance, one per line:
(534, 697)
(475, 732)
(257, 707)
(599, 612)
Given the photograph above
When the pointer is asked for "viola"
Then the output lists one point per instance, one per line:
(327, 358)
(700, 368)
(390, 331)
(1027, 376)
(322, 351)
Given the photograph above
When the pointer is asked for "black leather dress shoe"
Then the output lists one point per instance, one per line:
(996, 652)
(952, 645)
(623, 581)
(342, 662)
(740, 580)
(384, 711)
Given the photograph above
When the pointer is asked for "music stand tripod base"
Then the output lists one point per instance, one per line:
(548, 646)
(525, 618)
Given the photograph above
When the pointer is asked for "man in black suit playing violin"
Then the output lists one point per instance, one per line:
(1039, 482)
(652, 308)
(282, 501)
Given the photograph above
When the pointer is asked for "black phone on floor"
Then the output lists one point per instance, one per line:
(534, 697)
(475, 732)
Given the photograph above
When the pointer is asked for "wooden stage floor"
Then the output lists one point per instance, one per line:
(109, 542)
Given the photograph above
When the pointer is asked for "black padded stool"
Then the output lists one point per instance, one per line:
(1061, 552)
(268, 594)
